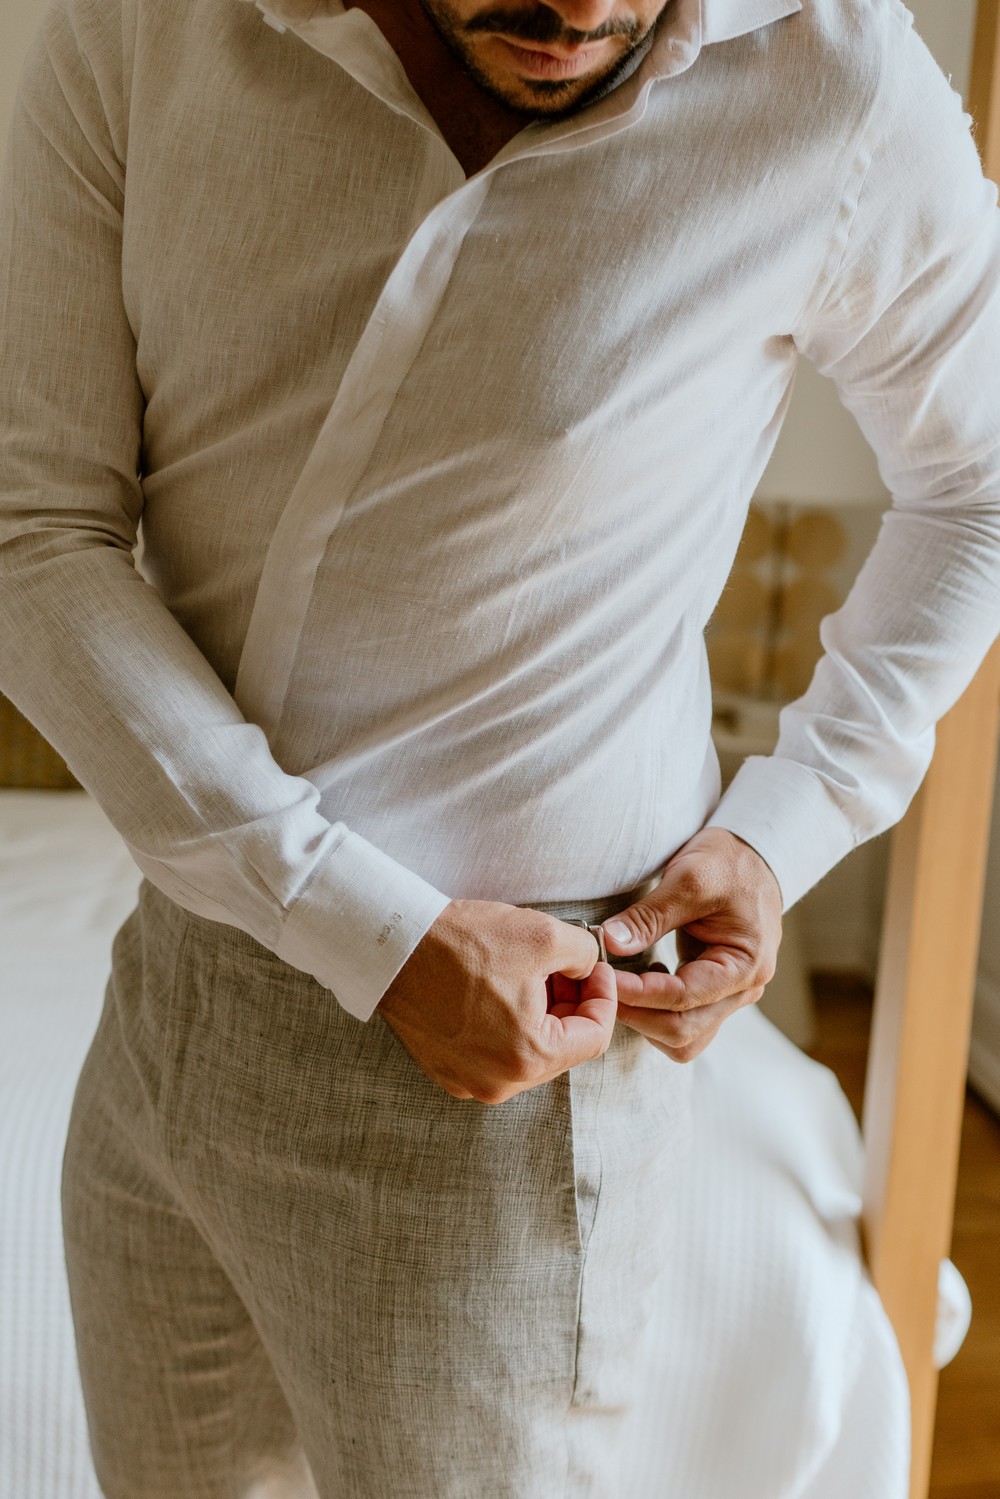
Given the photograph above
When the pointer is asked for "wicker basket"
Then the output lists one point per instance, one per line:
(26, 759)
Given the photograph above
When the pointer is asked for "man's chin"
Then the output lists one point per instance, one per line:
(544, 99)
(547, 98)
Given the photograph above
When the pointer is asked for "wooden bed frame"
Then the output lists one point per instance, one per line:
(918, 1055)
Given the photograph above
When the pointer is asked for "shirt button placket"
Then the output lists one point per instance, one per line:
(382, 359)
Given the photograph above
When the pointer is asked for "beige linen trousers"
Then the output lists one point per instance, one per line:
(283, 1240)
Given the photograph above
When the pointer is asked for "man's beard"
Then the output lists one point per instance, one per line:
(545, 27)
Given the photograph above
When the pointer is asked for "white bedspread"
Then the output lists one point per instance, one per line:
(779, 1374)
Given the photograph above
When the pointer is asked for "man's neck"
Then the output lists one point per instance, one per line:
(474, 124)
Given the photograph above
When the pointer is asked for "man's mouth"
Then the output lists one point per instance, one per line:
(552, 62)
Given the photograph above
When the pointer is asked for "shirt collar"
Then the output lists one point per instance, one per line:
(725, 19)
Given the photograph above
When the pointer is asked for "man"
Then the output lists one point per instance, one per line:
(438, 349)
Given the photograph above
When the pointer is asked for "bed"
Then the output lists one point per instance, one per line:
(776, 1361)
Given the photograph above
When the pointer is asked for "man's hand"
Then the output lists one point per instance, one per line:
(724, 903)
(471, 1004)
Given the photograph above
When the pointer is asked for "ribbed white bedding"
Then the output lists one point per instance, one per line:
(779, 1376)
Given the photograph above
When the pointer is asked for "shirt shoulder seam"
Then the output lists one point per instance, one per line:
(864, 157)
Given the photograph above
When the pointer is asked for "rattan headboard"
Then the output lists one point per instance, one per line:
(28, 761)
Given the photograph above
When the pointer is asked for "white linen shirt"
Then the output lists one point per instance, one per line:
(438, 480)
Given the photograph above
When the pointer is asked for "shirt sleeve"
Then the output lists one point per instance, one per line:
(90, 653)
(909, 330)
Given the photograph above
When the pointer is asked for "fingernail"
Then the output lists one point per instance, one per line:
(619, 932)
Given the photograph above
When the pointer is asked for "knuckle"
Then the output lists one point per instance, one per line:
(679, 1028)
(686, 1003)
(522, 1065)
(492, 1094)
(603, 1042)
(696, 1045)
(688, 1034)
(544, 936)
(684, 1053)
(598, 1049)
(692, 884)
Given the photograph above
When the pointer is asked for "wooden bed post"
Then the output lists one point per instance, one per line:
(918, 1055)
(984, 85)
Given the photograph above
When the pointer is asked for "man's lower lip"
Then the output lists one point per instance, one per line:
(544, 65)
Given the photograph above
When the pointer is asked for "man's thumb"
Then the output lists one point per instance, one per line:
(639, 927)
